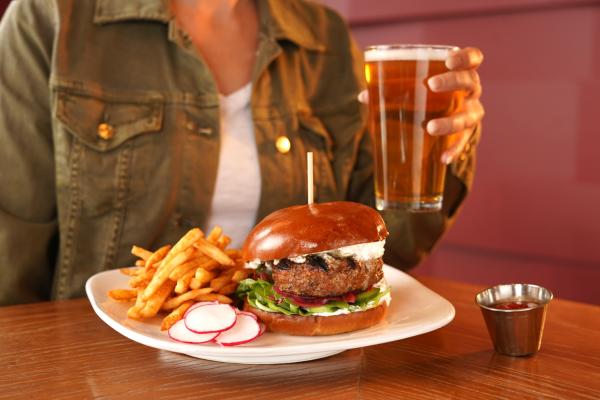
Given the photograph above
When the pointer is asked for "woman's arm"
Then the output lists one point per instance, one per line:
(28, 228)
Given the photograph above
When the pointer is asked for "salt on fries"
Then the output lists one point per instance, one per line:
(172, 278)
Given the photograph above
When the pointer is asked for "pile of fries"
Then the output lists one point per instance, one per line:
(172, 278)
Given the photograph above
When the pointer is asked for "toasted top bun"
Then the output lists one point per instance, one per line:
(300, 230)
(318, 325)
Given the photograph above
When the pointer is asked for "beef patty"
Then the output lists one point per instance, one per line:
(324, 277)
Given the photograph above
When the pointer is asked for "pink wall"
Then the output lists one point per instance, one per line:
(3, 5)
(534, 213)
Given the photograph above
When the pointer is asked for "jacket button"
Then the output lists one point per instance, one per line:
(106, 131)
(283, 144)
(191, 126)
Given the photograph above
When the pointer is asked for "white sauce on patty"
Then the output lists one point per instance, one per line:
(360, 252)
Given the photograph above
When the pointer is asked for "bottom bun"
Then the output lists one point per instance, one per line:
(319, 325)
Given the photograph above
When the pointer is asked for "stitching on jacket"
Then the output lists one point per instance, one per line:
(123, 173)
(189, 158)
(88, 88)
(72, 219)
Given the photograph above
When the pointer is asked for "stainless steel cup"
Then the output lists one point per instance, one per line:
(515, 314)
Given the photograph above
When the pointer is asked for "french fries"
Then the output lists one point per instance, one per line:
(239, 275)
(184, 243)
(195, 283)
(134, 311)
(213, 252)
(214, 297)
(157, 256)
(163, 271)
(223, 242)
(223, 279)
(129, 271)
(175, 315)
(228, 289)
(157, 299)
(141, 252)
(214, 234)
(172, 278)
(122, 294)
(183, 283)
(191, 295)
(183, 269)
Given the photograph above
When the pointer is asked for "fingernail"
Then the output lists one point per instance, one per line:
(446, 158)
(363, 97)
(435, 83)
(433, 128)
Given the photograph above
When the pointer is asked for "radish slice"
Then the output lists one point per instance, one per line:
(210, 318)
(263, 328)
(180, 333)
(245, 329)
(198, 304)
(246, 313)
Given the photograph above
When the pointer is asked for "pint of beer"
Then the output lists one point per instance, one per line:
(409, 173)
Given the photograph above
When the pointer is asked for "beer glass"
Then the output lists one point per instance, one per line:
(409, 173)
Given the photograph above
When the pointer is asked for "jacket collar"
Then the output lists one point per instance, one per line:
(279, 19)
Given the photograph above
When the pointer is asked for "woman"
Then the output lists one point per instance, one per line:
(129, 122)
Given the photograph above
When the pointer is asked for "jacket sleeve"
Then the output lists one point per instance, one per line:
(412, 235)
(28, 227)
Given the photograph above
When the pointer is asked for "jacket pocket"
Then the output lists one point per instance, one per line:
(313, 130)
(103, 139)
(104, 123)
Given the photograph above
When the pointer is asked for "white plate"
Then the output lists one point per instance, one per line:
(414, 310)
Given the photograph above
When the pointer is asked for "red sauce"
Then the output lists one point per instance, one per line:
(514, 305)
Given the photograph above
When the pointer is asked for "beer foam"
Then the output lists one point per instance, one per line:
(391, 53)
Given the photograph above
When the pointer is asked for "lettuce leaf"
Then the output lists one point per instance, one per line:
(260, 294)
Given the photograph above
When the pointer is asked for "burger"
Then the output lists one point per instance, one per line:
(318, 269)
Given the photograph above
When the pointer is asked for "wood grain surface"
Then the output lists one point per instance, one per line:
(61, 350)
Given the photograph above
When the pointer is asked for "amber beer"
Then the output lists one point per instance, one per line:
(409, 173)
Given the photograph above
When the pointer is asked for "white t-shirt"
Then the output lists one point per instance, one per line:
(237, 189)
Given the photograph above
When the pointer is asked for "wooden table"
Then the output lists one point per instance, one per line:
(62, 350)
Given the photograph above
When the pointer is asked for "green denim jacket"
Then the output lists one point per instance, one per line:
(109, 135)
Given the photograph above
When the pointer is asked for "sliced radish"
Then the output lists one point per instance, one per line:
(210, 318)
(180, 333)
(246, 328)
(263, 328)
(198, 304)
(238, 311)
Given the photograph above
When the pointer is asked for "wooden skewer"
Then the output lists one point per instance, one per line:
(309, 174)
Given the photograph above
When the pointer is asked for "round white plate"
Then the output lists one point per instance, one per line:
(414, 310)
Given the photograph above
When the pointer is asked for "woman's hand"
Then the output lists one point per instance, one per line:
(463, 75)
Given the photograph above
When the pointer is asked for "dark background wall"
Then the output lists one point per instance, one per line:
(534, 213)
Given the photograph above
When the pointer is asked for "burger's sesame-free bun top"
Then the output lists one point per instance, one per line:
(313, 228)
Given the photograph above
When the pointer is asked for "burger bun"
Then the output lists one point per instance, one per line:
(312, 228)
(319, 325)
